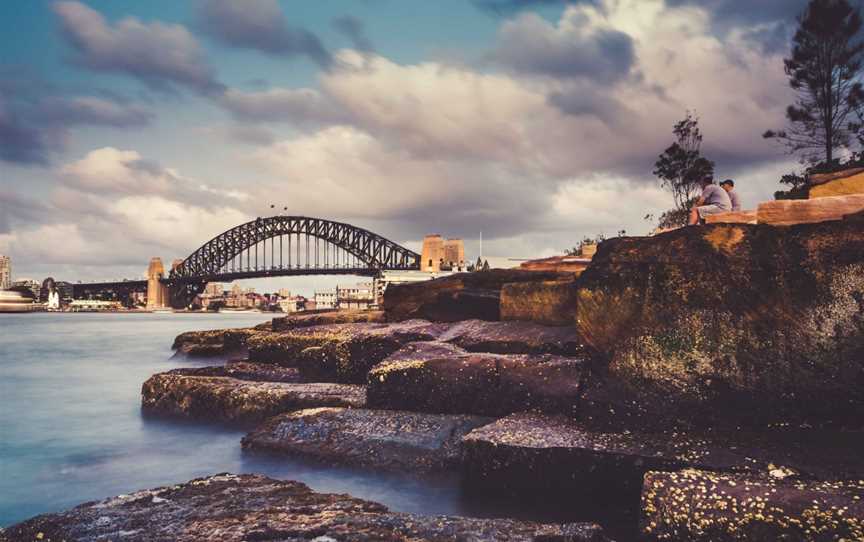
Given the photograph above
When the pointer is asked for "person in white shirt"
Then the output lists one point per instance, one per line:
(729, 186)
(714, 200)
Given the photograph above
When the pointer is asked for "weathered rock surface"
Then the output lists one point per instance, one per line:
(339, 352)
(230, 400)
(806, 211)
(458, 297)
(536, 453)
(245, 370)
(513, 338)
(701, 506)
(549, 303)
(286, 323)
(746, 324)
(558, 264)
(733, 217)
(442, 378)
(841, 183)
(387, 440)
(213, 342)
(236, 508)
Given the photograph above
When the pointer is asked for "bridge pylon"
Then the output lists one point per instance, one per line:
(157, 292)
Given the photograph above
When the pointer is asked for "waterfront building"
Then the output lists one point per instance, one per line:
(213, 289)
(357, 297)
(5, 272)
(31, 285)
(284, 293)
(94, 305)
(325, 300)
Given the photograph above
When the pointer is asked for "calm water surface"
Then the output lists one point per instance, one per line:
(71, 428)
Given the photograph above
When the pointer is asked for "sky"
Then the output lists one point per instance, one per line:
(137, 129)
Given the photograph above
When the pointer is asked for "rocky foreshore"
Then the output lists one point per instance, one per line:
(227, 507)
(734, 411)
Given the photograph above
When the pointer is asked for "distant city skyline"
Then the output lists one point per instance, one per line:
(137, 129)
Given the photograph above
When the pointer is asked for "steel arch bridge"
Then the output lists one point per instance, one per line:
(286, 245)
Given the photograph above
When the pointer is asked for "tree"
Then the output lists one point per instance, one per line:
(823, 70)
(682, 166)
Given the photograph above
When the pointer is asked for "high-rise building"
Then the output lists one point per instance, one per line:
(5, 272)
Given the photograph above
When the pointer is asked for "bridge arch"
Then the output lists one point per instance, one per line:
(371, 252)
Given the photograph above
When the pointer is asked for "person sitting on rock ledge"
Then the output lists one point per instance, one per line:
(729, 186)
(714, 200)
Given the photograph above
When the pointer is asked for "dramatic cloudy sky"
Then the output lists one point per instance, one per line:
(135, 129)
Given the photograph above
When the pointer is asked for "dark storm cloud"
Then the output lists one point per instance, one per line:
(260, 25)
(529, 44)
(158, 54)
(354, 29)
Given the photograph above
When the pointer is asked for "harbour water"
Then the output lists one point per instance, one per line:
(71, 428)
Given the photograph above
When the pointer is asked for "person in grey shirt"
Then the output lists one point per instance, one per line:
(714, 200)
(729, 186)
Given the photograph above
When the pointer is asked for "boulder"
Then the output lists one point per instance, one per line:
(695, 505)
(457, 297)
(533, 453)
(234, 401)
(805, 211)
(733, 217)
(213, 342)
(235, 508)
(432, 377)
(386, 440)
(513, 338)
(547, 302)
(841, 183)
(286, 323)
(339, 352)
(740, 324)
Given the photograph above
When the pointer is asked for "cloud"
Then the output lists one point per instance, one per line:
(113, 208)
(300, 106)
(354, 29)
(22, 142)
(92, 111)
(504, 7)
(259, 25)
(582, 44)
(158, 54)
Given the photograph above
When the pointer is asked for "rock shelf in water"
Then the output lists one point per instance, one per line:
(231, 400)
(235, 508)
(380, 439)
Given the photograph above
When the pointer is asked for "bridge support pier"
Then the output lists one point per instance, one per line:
(157, 292)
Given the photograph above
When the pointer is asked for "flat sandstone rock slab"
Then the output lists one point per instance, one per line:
(224, 399)
(788, 212)
(694, 505)
(536, 452)
(442, 378)
(513, 338)
(235, 508)
(286, 323)
(386, 440)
